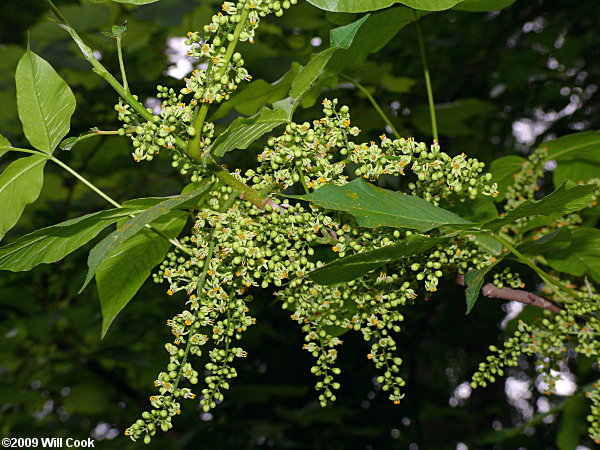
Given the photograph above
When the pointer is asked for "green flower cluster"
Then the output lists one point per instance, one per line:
(594, 417)
(527, 180)
(236, 245)
(179, 115)
(318, 153)
(507, 278)
(550, 342)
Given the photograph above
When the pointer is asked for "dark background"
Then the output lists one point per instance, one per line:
(504, 81)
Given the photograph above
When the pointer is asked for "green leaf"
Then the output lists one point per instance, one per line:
(573, 423)
(4, 143)
(110, 243)
(351, 267)
(245, 130)
(341, 39)
(474, 281)
(373, 35)
(430, 5)
(354, 6)
(454, 119)
(375, 207)
(577, 156)
(51, 244)
(478, 210)
(581, 257)
(124, 271)
(343, 36)
(20, 184)
(556, 240)
(483, 5)
(568, 198)
(503, 170)
(488, 243)
(44, 101)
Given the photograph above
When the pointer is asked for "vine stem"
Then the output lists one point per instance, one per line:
(122, 65)
(556, 286)
(246, 191)
(365, 91)
(427, 79)
(193, 148)
(97, 190)
(98, 67)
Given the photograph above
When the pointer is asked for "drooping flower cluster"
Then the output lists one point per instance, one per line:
(236, 245)
(550, 342)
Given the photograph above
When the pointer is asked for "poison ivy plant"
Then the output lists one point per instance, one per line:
(355, 232)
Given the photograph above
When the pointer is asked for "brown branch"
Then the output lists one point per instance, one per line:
(516, 295)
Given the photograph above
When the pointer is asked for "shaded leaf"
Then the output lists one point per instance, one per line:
(483, 5)
(343, 36)
(44, 101)
(111, 242)
(20, 184)
(53, 243)
(375, 207)
(4, 143)
(124, 271)
(351, 267)
(568, 198)
(257, 94)
(577, 156)
(556, 240)
(373, 35)
(454, 119)
(489, 243)
(474, 281)
(245, 130)
(478, 210)
(503, 170)
(581, 257)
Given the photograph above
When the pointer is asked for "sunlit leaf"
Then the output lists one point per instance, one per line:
(110, 243)
(53, 243)
(568, 198)
(351, 267)
(45, 102)
(20, 184)
(375, 207)
(124, 271)
(577, 156)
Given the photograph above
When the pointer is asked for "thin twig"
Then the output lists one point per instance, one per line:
(516, 295)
